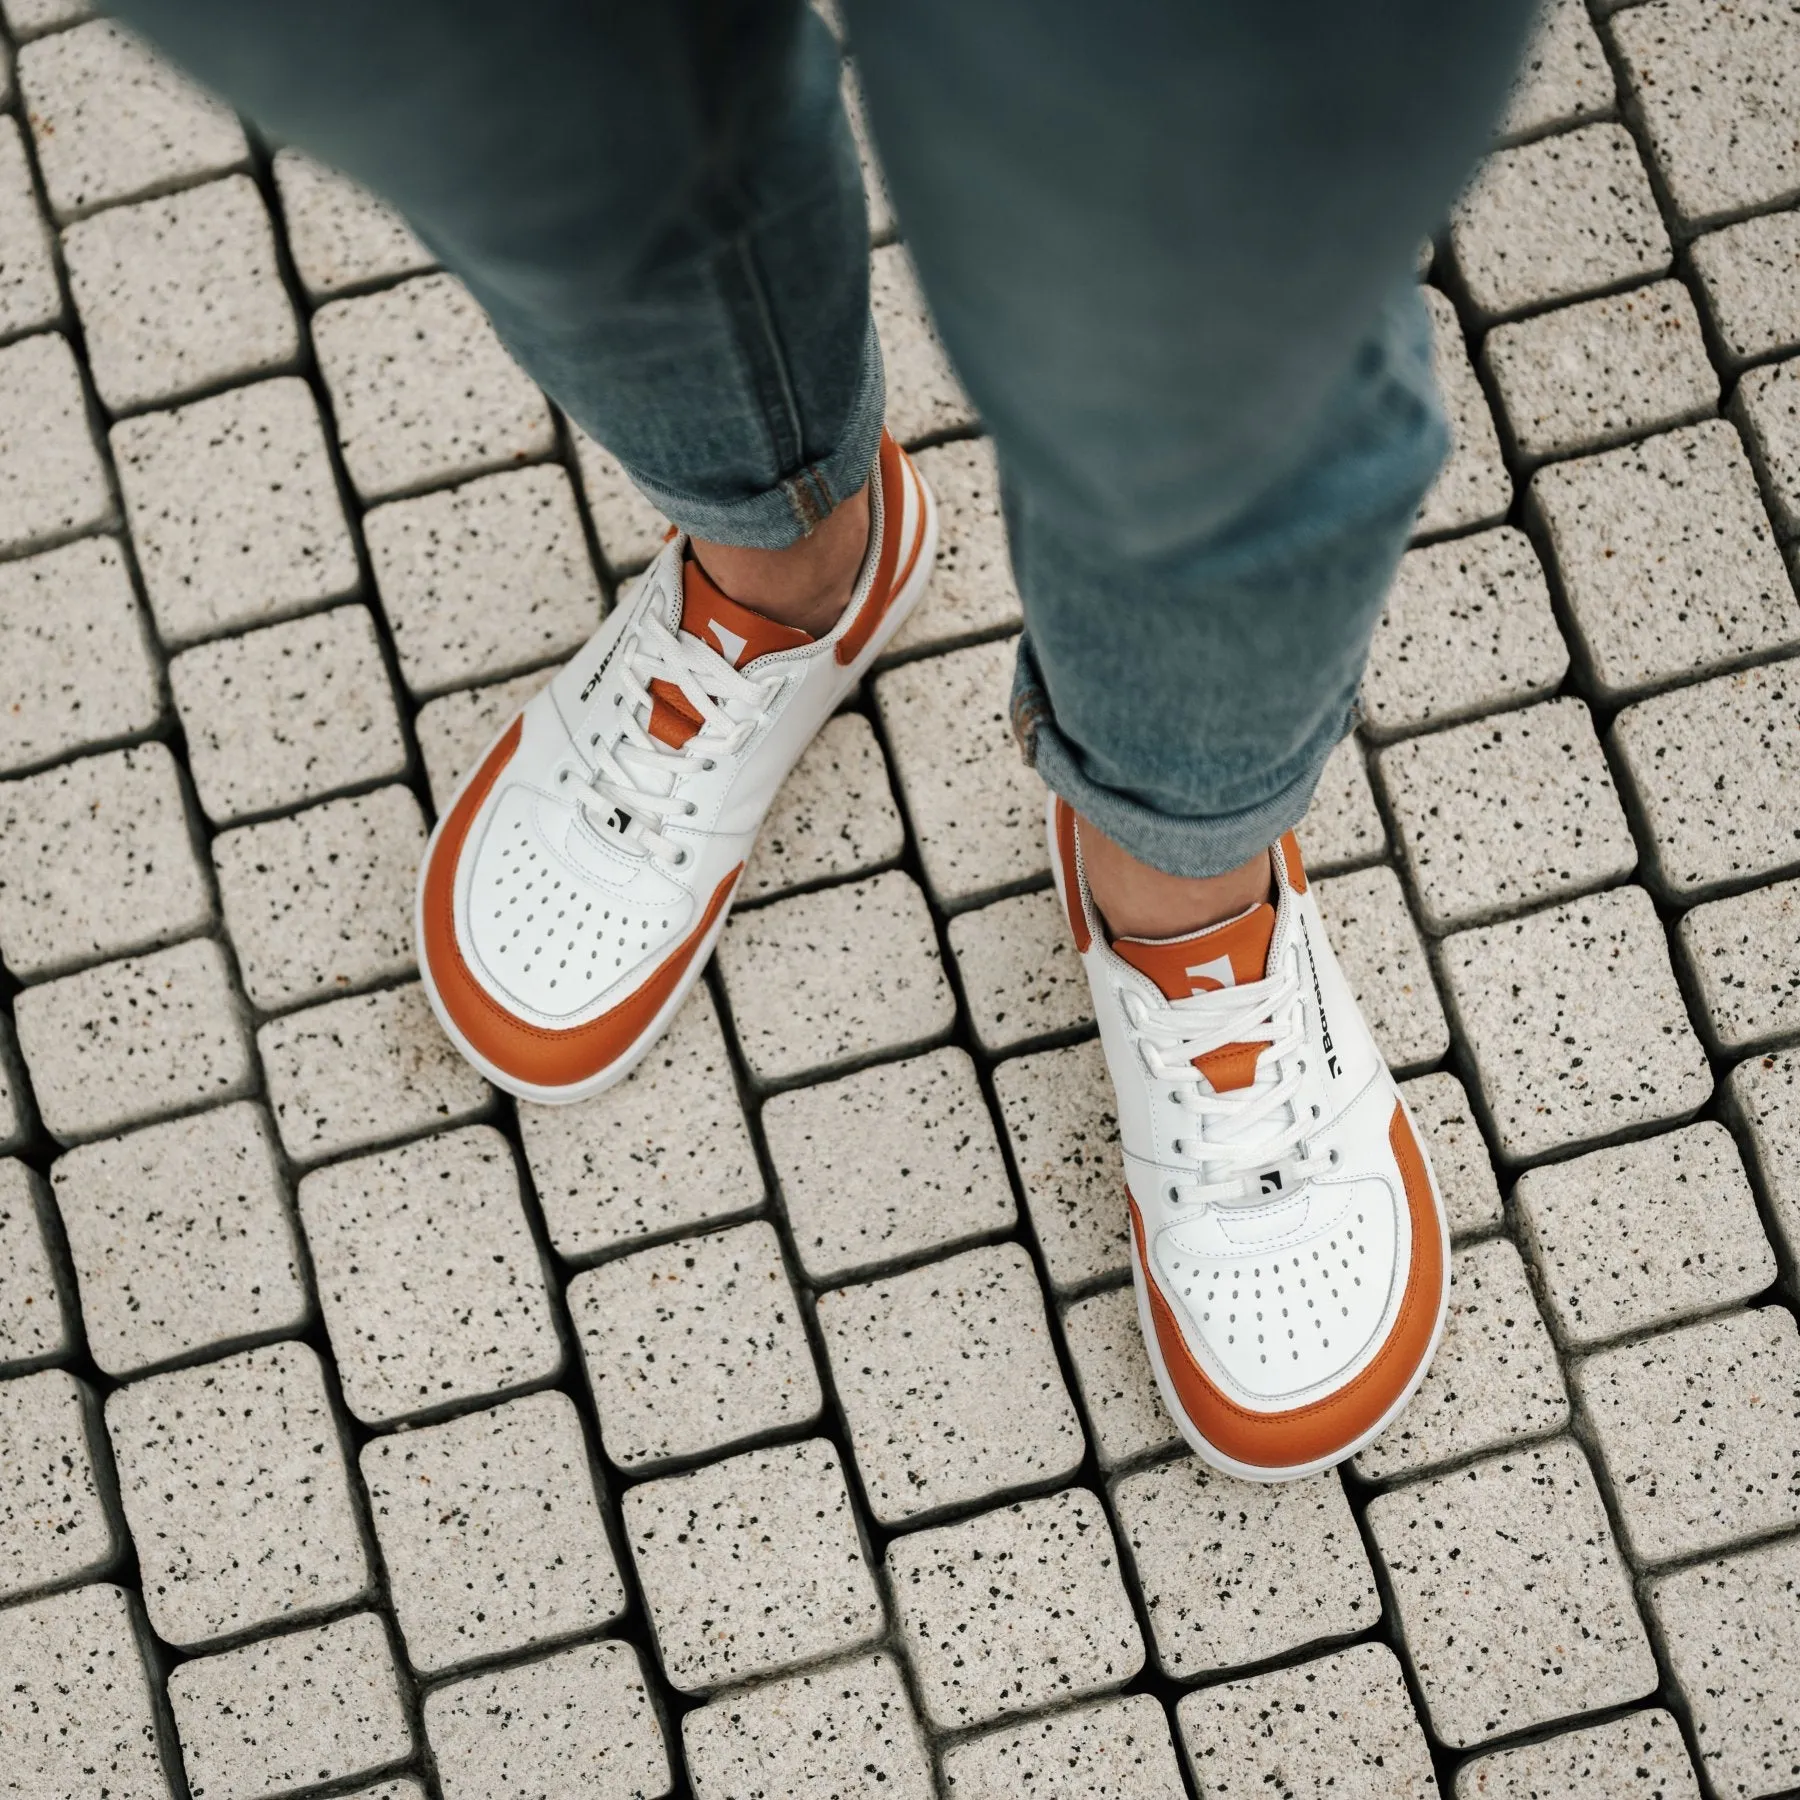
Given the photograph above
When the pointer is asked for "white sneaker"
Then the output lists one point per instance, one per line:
(1289, 1246)
(581, 875)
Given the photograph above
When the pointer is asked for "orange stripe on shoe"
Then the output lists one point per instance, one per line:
(536, 1054)
(1289, 846)
(891, 464)
(1305, 1434)
(1071, 874)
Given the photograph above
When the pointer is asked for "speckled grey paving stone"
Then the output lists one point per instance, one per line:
(886, 1164)
(430, 1284)
(1747, 280)
(322, 902)
(848, 1731)
(29, 18)
(1515, 1608)
(1341, 1726)
(829, 976)
(1699, 1431)
(1555, 219)
(923, 392)
(96, 860)
(1440, 1109)
(182, 1239)
(287, 714)
(30, 294)
(1667, 559)
(579, 1725)
(114, 121)
(491, 1532)
(424, 391)
(1342, 827)
(1384, 962)
(1234, 1571)
(752, 1565)
(404, 1787)
(1745, 956)
(357, 1071)
(629, 527)
(339, 234)
(1507, 812)
(1014, 1609)
(35, 1322)
(1717, 772)
(835, 814)
(234, 510)
(1473, 488)
(1767, 406)
(485, 579)
(237, 1493)
(119, 1044)
(1110, 1750)
(15, 1104)
(1058, 1111)
(454, 730)
(1714, 86)
(1594, 374)
(52, 484)
(180, 293)
(664, 1151)
(1126, 1416)
(291, 1711)
(1643, 1234)
(972, 584)
(1638, 1757)
(75, 1708)
(948, 1380)
(1020, 974)
(56, 1526)
(881, 208)
(1574, 1023)
(1566, 77)
(694, 1347)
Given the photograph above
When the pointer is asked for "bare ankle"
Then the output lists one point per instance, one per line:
(1138, 901)
(808, 584)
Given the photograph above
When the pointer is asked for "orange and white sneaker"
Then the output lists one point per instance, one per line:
(1289, 1245)
(579, 878)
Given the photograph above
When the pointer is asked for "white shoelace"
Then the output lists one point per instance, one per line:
(1247, 1133)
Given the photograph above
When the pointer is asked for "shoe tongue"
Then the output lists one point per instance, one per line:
(738, 634)
(1218, 957)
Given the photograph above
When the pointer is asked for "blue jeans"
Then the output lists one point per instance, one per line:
(1168, 244)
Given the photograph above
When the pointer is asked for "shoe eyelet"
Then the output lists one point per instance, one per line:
(1337, 1156)
(681, 861)
(1317, 1110)
(708, 766)
(691, 809)
(1175, 1193)
(1175, 1146)
(562, 775)
(594, 741)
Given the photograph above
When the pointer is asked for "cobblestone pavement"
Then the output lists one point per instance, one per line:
(365, 1433)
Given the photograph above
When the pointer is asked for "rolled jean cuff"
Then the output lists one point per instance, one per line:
(1175, 844)
(781, 515)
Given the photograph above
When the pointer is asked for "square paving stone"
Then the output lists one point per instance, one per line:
(887, 1164)
(1566, 77)
(424, 391)
(1014, 1609)
(485, 579)
(1643, 1234)
(1473, 487)
(28, 18)
(180, 293)
(923, 393)
(1439, 1105)
(1590, 375)
(1384, 962)
(322, 902)
(35, 1319)
(1731, 1630)
(120, 1044)
(949, 1383)
(833, 976)
(1515, 1607)
(1507, 812)
(694, 1347)
(1717, 773)
(78, 1717)
(428, 1278)
(1556, 219)
(1341, 1726)
(1058, 1111)
(1235, 1571)
(1667, 559)
(96, 860)
(30, 294)
(1699, 1431)
(663, 1151)
(453, 731)
(752, 1565)
(579, 1725)
(237, 1493)
(1021, 976)
(291, 1711)
(1125, 1414)
(1745, 956)
(972, 589)
(1767, 406)
(114, 121)
(52, 482)
(1638, 1757)
(1342, 827)
(629, 527)
(339, 234)
(1575, 1024)
(848, 1730)
(234, 510)
(1747, 278)
(491, 1532)
(1493, 1381)
(182, 1239)
(360, 1071)
(1116, 1749)
(56, 1526)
